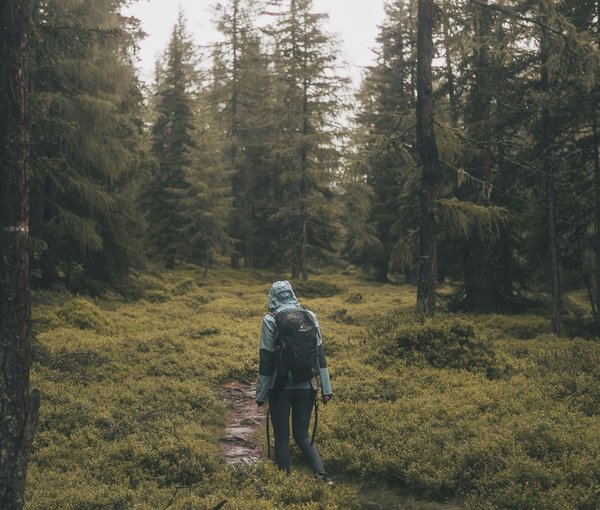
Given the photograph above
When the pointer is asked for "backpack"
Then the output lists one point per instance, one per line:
(296, 352)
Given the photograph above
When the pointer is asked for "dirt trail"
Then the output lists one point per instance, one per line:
(239, 444)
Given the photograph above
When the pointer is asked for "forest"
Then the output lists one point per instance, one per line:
(442, 219)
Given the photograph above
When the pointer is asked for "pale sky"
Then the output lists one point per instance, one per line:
(354, 22)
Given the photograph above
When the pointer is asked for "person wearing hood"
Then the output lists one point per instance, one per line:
(297, 397)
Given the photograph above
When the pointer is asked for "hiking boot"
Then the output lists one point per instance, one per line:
(324, 476)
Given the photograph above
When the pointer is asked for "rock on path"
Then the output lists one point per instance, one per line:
(240, 444)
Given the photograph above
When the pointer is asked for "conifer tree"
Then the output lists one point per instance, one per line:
(85, 139)
(205, 205)
(386, 141)
(307, 102)
(585, 16)
(244, 88)
(360, 231)
(174, 139)
(485, 252)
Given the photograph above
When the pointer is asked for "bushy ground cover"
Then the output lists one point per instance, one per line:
(476, 412)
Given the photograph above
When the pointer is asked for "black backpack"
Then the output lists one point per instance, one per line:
(296, 352)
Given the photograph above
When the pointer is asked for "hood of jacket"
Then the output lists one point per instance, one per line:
(282, 295)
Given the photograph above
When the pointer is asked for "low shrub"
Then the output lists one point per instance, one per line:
(314, 289)
(83, 314)
(204, 332)
(355, 298)
(439, 342)
(523, 327)
(341, 315)
(131, 414)
(571, 373)
(464, 438)
(184, 286)
(156, 296)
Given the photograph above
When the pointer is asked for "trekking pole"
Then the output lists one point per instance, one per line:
(314, 432)
(268, 435)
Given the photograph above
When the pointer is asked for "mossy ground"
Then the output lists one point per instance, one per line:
(131, 417)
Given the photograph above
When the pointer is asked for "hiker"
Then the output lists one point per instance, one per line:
(296, 389)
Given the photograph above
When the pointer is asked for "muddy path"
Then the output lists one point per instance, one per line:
(242, 442)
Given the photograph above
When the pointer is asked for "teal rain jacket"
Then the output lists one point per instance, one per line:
(281, 297)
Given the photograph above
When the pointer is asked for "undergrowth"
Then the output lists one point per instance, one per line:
(480, 412)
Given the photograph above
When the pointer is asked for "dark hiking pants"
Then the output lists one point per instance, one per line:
(301, 403)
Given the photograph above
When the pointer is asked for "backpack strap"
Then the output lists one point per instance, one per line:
(275, 315)
(310, 315)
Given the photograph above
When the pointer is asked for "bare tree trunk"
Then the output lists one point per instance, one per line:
(249, 247)
(18, 409)
(552, 220)
(482, 289)
(428, 151)
(206, 261)
(450, 75)
(549, 186)
(304, 163)
(236, 183)
(596, 148)
(304, 267)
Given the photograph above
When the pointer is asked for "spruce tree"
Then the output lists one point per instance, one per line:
(86, 140)
(386, 137)
(486, 263)
(173, 143)
(206, 205)
(306, 105)
(243, 85)
(357, 199)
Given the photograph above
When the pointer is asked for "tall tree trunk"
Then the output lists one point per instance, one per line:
(596, 148)
(249, 246)
(206, 261)
(236, 182)
(450, 75)
(552, 220)
(549, 186)
(482, 290)
(304, 163)
(428, 152)
(18, 408)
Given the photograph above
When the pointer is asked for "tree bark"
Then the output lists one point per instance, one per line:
(482, 288)
(428, 152)
(304, 166)
(450, 76)
(549, 186)
(236, 182)
(18, 408)
(596, 148)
